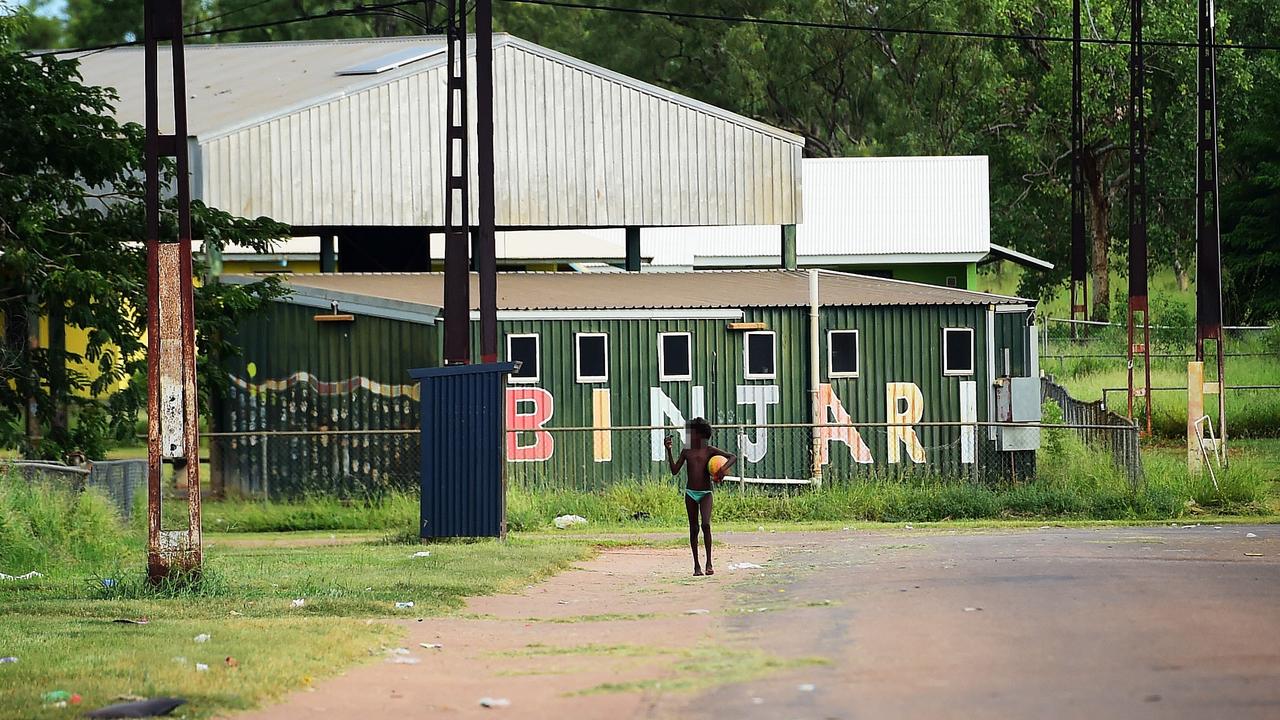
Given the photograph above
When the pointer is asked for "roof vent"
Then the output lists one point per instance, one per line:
(392, 61)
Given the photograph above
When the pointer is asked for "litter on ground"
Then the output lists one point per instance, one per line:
(565, 521)
(202, 638)
(494, 702)
(422, 553)
(746, 566)
(154, 707)
(697, 611)
(431, 646)
(28, 576)
(299, 602)
(806, 687)
(1251, 535)
(401, 660)
(404, 605)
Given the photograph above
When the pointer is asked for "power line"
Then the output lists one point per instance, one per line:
(227, 14)
(825, 25)
(354, 11)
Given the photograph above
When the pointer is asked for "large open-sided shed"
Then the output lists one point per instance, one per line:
(346, 137)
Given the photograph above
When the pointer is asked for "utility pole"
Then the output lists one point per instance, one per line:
(1139, 307)
(486, 252)
(457, 202)
(172, 419)
(1079, 270)
(1208, 243)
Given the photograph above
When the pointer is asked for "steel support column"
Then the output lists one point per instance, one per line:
(1139, 307)
(1079, 269)
(457, 279)
(172, 418)
(633, 260)
(486, 252)
(1208, 245)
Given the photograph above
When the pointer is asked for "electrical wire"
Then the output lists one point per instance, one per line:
(382, 8)
(227, 14)
(356, 10)
(824, 25)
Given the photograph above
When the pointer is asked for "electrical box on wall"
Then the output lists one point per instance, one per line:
(1018, 401)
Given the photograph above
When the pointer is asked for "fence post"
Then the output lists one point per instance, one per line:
(1195, 410)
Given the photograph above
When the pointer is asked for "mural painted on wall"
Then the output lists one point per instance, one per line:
(258, 461)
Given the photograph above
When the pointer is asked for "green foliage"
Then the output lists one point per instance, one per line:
(1054, 440)
(48, 528)
(314, 513)
(71, 216)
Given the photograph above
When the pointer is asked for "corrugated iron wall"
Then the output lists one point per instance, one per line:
(899, 344)
(573, 148)
(298, 374)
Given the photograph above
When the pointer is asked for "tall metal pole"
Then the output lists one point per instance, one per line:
(1079, 270)
(172, 419)
(457, 203)
(486, 252)
(1208, 242)
(1139, 306)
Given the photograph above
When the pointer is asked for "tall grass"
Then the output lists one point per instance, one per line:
(45, 527)
(318, 512)
(1075, 483)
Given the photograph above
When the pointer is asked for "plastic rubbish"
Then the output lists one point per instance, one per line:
(8, 660)
(431, 646)
(806, 687)
(299, 602)
(132, 621)
(202, 638)
(494, 702)
(109, 582)
(1251, 535)
(28, 576)
(565, 521)
(401, 660)
(1253, 554)
(201, 667)
(746, 566)
(137, 709)
(60, 698)
(399, 651)
(422, 553)
(404, 605)
(973, 609)
(697, 611)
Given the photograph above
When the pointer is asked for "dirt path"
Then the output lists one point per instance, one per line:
(622, 619)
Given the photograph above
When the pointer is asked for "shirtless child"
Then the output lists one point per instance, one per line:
(698, 483)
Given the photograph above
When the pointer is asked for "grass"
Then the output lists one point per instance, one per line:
(60, 625)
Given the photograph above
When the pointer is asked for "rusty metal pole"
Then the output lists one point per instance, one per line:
(1139, 305)
(1208, 240)
(1079, 283)
(172, 419)
(485, 250)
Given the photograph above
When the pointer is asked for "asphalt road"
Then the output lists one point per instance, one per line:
(1051, 623)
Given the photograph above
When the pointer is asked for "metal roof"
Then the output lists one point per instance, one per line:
(640, 291)
(279, 131)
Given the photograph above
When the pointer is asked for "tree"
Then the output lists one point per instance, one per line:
(71, 220)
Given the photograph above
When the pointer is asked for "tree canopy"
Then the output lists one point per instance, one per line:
(71, 225)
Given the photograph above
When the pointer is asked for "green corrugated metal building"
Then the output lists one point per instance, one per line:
(610, 351)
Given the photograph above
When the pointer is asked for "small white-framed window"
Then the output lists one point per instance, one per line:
(842, 353)
(525, 348)
(760, 355)
(675, 356)
(591, 357)
(957, 351)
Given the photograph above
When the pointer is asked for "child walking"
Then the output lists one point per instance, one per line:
(698, 483)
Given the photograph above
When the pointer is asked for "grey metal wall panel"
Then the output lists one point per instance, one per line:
(573, 148)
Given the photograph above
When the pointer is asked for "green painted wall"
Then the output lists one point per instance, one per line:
(896, 344)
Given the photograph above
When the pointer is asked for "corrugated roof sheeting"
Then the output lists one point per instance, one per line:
(281, 134)
(610, 291)
(858, 206)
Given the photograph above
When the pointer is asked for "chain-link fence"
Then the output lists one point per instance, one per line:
(368, 463)
(123, 482)
(294, 464)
